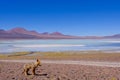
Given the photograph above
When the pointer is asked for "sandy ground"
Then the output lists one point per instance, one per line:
(89, 65)
(61, 70)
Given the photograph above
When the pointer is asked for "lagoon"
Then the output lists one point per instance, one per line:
(9, 46)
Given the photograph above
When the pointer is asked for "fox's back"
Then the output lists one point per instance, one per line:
(29, 66)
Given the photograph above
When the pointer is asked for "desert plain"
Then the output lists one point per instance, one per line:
(67, 65)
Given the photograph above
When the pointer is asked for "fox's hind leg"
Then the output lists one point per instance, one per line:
(26, 71)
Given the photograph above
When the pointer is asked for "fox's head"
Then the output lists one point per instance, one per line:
(38, 63)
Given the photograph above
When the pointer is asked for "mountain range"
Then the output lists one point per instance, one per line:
(21, 33)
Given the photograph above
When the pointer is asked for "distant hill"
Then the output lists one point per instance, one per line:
(113, 36)
(21, 33)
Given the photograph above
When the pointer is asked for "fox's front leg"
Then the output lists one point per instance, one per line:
(33, 71)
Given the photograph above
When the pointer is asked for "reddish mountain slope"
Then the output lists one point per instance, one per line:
(21, 33)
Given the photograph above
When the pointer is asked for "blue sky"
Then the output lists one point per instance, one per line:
(72, 17)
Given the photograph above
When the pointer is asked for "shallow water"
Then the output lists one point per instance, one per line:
(59, 45)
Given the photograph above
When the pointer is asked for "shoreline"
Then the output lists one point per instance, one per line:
(71, 51)
(66, 55)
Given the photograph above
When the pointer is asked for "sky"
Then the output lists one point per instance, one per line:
(71, 17)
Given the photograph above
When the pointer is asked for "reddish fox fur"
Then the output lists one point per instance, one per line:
(31, 66)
